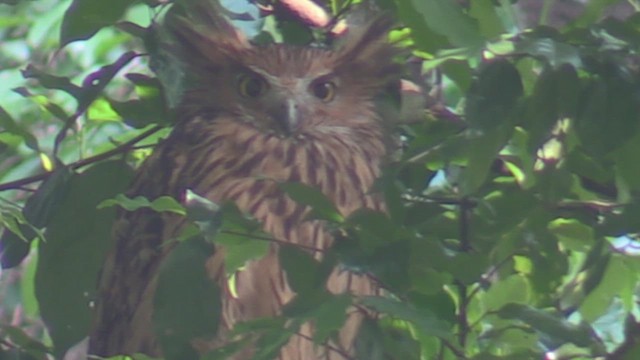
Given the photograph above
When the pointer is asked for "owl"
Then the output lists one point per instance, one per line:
(251, 117)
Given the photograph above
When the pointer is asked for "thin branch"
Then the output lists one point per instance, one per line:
(454, 350)
(274, 240)
(465, 246)
(328, 346)
(17, 184)
(442, 200)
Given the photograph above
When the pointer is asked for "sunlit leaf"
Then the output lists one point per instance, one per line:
(549, 324)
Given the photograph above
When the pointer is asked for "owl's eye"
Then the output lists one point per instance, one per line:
(324, 90)
(251, 86)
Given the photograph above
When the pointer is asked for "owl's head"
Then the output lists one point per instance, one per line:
(290, 90)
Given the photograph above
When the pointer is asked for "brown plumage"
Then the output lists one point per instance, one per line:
(253, 116)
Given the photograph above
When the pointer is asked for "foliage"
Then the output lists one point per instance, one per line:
(512, 222)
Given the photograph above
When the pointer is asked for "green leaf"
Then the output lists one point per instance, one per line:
(555, 96)
(161, 204)
(425, 321)
(241, 237)
(27, 288)
(555, 52)
(24, 341)
(488, 21)
(78, 236)
(46, 200)
(8, 124)
(186, 302)
(483, 151)
(142, 112)
(573, 234)
(609, 116)
(101, 110)
(493, 97)
(627, 162)
(302, 269)
(269, 344)
(84, 18)
(322, 207)
(616, 278)
(468, 268)
(14, 247)
(513, 289)
(552, 325)
(52, 82)
(330, 316)
(447, 18)
(374, 228)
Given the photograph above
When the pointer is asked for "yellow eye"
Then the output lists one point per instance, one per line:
(251, 86)
(324, 90)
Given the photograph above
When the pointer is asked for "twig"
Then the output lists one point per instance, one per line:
(271, 239)
(328, 346)
(16, 184)
(465, 246)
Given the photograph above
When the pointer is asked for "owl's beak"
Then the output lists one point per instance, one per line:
(287, 116)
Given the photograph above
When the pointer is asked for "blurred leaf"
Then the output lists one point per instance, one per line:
(488, 21)
(322, 207)
(330, 316)
(52, 82)
(241, 238)
(616, 277)
(374, 229)
(626, 162)
(77, 236)
(549, 324)
(592, 12)
(14, 247)
(554, 97)
(24, 341)
(84, 18)
(46, 200)
(493, 96)
(302, 270)
(101, 110)
(142, 112)
(186, 302)
(468, 268)
(513, 289)
(425, 321)
(554, 52)
(608, 116)
(447, 18)
(482, 151)
(27, 286)
(8, 124)
(572, 234)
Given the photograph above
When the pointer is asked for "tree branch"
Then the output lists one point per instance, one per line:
(17, 184)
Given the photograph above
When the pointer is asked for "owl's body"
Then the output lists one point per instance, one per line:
(256, 116)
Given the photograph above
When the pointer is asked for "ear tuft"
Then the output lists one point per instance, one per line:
(201, 32)
(364, 49)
